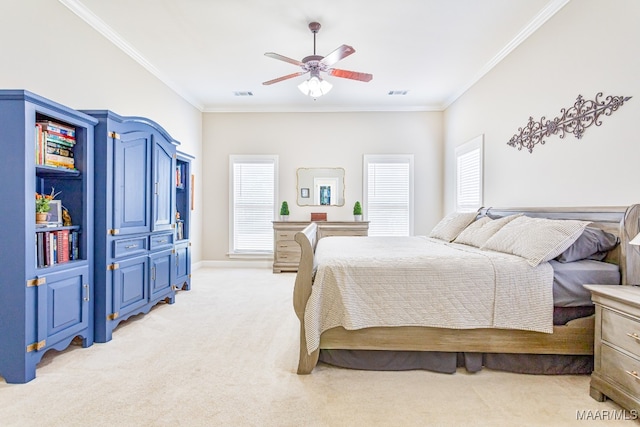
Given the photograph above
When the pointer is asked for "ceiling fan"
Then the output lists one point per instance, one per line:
(315, 86)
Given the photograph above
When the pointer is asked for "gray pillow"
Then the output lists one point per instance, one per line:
(593, 244)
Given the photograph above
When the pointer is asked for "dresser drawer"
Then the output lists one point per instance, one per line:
(621, 331)
(622, 369)
(122, 248)
(161, 240)
(285, 235)
(329, 233)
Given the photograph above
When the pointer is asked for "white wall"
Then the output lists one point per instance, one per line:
(589, 46)
(318, 140)
(48, 50)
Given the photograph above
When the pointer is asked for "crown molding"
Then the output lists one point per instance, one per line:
(545, 14)
(110, 34)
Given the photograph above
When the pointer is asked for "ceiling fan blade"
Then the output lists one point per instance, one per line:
(338, 54)
(283, 58)
(288, 76)
(353, 75)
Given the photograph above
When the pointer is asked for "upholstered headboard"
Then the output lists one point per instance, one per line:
(623, 221)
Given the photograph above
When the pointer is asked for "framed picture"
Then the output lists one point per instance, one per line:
(55, 213)
(304, 193)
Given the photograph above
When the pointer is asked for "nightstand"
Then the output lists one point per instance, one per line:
(616, 372)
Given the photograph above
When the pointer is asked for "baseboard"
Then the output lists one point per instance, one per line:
(232, 264)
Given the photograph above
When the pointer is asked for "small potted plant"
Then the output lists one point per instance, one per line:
(43, 206)
(284, 211)
(357, 211)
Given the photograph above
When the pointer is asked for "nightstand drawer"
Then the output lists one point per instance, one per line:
(621, 331)
(288, 255)
(622, 369)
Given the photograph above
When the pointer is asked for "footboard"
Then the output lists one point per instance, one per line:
(307, 240)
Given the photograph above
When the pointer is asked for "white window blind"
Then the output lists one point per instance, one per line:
(388, 195)
(253, 184)
(469, 175)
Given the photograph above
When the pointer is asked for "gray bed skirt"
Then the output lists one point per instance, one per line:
(448, 362)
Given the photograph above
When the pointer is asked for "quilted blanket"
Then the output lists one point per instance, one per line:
(417, 281)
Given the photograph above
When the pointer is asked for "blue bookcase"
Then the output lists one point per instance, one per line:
(184, 194)
(46, 289)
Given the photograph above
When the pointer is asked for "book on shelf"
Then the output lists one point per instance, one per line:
(74, 251)
(61, 150)
(58, 128)
(58, 160)
(62, 245)
(57, 246)
(60, 139)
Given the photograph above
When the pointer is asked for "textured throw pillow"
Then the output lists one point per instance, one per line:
(593, 243)
(478, 232)
(451, 225)
(536, 239)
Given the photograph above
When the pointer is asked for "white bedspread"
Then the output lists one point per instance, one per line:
(417, 281)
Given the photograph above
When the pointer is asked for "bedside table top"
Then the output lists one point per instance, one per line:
(624, 293)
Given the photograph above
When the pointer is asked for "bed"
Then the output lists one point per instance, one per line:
(554, 332)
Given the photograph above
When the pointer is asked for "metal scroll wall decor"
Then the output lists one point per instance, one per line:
(571, 120)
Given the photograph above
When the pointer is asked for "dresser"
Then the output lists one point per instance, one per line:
(286, 251)
(616, 373)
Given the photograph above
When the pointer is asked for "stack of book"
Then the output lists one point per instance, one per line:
(54, 144)
(55, 247)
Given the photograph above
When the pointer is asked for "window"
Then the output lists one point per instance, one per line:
(469, 175)
(253, 183)
(388, 194)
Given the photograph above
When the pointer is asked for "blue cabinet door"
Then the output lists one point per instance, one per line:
(161, 271)
(183, 266)
(132, 174)
(164, 164)
(130, 286)
(67, 304)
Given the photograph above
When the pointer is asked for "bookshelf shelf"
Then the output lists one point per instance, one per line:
(48, 171)
(43, 307)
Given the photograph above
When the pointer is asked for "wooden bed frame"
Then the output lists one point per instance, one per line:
(574, 338)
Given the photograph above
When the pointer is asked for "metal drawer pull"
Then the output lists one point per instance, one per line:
(162, 241)
(131, 246)
(634, 335)
(634, 374)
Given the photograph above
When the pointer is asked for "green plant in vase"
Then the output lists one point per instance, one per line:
(284, 211)
(357, 211)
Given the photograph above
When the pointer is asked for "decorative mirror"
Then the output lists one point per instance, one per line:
(320, 186)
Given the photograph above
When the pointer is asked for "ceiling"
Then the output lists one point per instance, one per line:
(207, 50)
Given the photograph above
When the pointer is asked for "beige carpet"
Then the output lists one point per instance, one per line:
(225, 354)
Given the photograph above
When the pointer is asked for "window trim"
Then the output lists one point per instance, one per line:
(250, 158)
(388, 158)
(476, 143)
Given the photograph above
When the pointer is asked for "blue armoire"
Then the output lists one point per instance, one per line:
(135, 218)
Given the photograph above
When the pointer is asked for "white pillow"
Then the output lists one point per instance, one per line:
(451, 225)
(536, 239)
(478, 232)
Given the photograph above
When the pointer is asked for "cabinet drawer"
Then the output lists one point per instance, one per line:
(161, 240)
(621, 331)
(622, 369)
(128, 247)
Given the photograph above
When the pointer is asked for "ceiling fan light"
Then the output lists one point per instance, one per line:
(315, 87)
